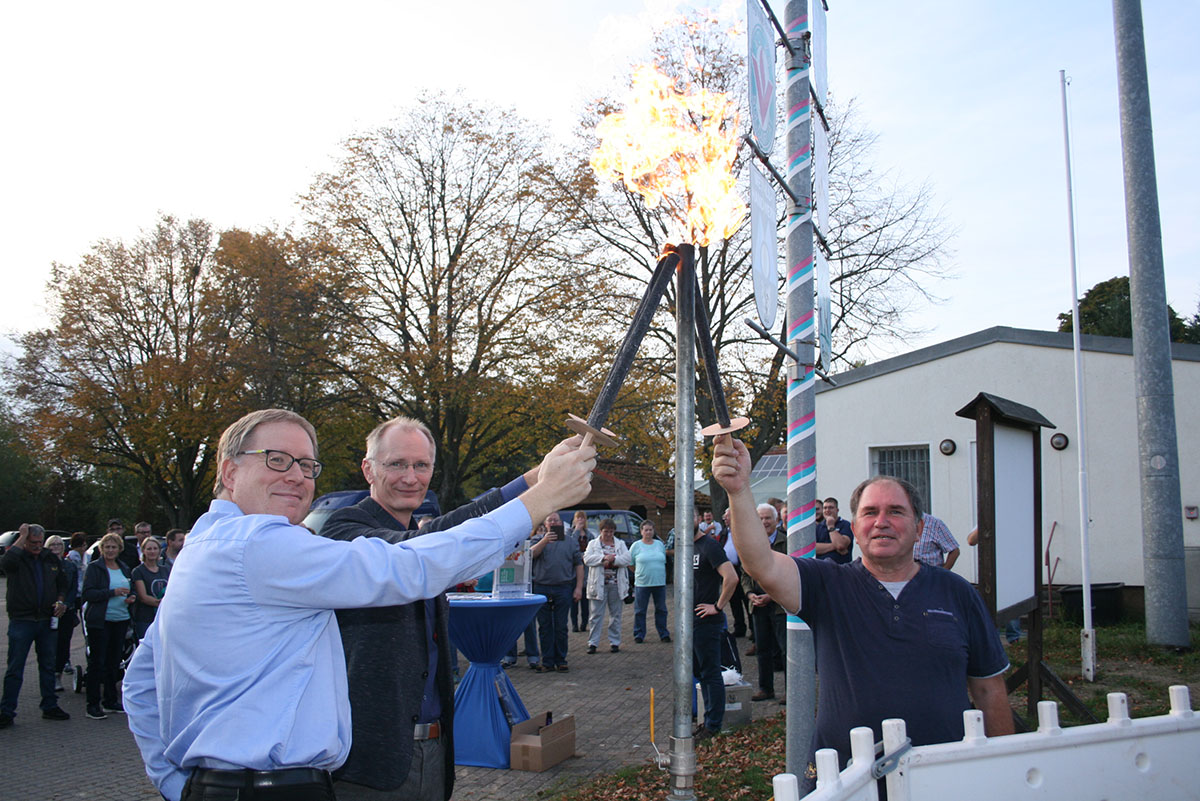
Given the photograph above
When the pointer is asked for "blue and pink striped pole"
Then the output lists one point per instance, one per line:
(801, 389)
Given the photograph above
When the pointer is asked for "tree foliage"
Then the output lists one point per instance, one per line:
(887, 244)
(1106, 310)
(448, 227)
(132, 373)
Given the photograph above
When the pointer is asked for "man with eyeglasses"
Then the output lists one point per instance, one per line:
(399, 668)
(239, 687)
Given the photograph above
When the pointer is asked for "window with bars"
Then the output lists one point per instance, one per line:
(909, 462)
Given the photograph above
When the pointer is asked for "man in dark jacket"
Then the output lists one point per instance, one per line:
(398, 658)
(36, 590)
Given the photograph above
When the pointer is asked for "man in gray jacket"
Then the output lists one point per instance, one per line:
(398, 658)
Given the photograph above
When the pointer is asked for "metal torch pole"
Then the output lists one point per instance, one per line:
(801, 394)
(1158, 449)
(682, 763)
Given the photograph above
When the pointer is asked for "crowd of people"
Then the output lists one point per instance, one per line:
(264, 593)
(113, 585)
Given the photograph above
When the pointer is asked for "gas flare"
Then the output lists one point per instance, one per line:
(676, 150)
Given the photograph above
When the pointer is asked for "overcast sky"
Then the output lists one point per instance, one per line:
(226, 111)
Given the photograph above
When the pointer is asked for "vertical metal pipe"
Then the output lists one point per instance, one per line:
(1087, 637)
(801, 394)
(682, 762)
(1158, 451)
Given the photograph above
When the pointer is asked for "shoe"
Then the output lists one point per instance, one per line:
(752, 650)
(667, 638)
(54, 713)
(703, 733)
(591, 649)
(68, 668)
(783, 700)
(504, 663)
(537, 668)
(762, 695)
(5, 721)
(116, 709)
(637, 639)
(615, 648)
(95, 712)
(563, 669)
(58, 688)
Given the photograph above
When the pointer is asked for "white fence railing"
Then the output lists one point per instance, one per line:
(1148, 759)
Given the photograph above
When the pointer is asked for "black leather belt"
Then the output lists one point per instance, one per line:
(262, 779)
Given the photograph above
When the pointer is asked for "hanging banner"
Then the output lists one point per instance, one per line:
(821, 199)
(764, 249)
(760, 63)
(820, 51)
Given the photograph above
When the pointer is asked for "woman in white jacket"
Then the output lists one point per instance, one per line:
(607, 583)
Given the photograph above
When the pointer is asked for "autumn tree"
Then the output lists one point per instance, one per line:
(447, 222)
(887, 243)
(131, 375)
(1106, 310)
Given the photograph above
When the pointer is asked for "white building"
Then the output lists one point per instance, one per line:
(893, 415)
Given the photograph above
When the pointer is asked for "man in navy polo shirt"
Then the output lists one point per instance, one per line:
(894, 638)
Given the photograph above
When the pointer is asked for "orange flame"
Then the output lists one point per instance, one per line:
(677, 151)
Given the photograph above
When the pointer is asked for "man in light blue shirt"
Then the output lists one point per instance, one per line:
(240, 683)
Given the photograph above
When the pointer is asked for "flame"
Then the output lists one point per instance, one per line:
(677, 151)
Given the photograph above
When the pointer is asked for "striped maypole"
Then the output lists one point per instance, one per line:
(801, 394)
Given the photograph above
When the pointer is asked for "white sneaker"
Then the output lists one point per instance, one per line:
(68, 668)
(58, 686)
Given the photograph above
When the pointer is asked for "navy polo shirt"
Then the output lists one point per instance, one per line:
(882, 657)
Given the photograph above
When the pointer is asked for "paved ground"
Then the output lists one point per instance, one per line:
(608, 693)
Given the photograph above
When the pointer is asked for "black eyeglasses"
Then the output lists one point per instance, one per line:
(282, 461)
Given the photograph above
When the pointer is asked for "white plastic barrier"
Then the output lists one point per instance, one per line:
(1148, 759)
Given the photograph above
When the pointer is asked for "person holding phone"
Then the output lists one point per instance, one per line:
(558, 575)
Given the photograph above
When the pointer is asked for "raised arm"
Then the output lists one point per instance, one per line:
(775, 572)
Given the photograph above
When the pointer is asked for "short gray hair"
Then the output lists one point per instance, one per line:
(233, 439)
(40, 530)
(766, 507)
(404, 424)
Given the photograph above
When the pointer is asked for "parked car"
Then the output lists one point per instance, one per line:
(629, 524)
(329, 503)
(9, 537)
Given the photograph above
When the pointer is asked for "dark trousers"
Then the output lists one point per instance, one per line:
(221, 790)
(21, 635)
(552, 621)
(641, 600)
(770, 639)
(738, 606)
(66, 627)
(105, 644)
(706, 666)
(580, 612)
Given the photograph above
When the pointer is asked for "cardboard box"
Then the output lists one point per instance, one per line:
(737, 704)
(536, 746)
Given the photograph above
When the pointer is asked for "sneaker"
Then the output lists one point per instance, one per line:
(504, 663)
(637, 639)
(562, 668)
(58, 687)
(95, 712)
(615, 648)
(667, 638)
(591, 649)
(54, 713)
(5, 721)
(703, 733)
(536, 668)
(116, 709)
(68, 668)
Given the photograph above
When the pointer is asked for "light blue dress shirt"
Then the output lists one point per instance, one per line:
(243, 666)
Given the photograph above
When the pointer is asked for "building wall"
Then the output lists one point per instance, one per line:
(916, 405)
